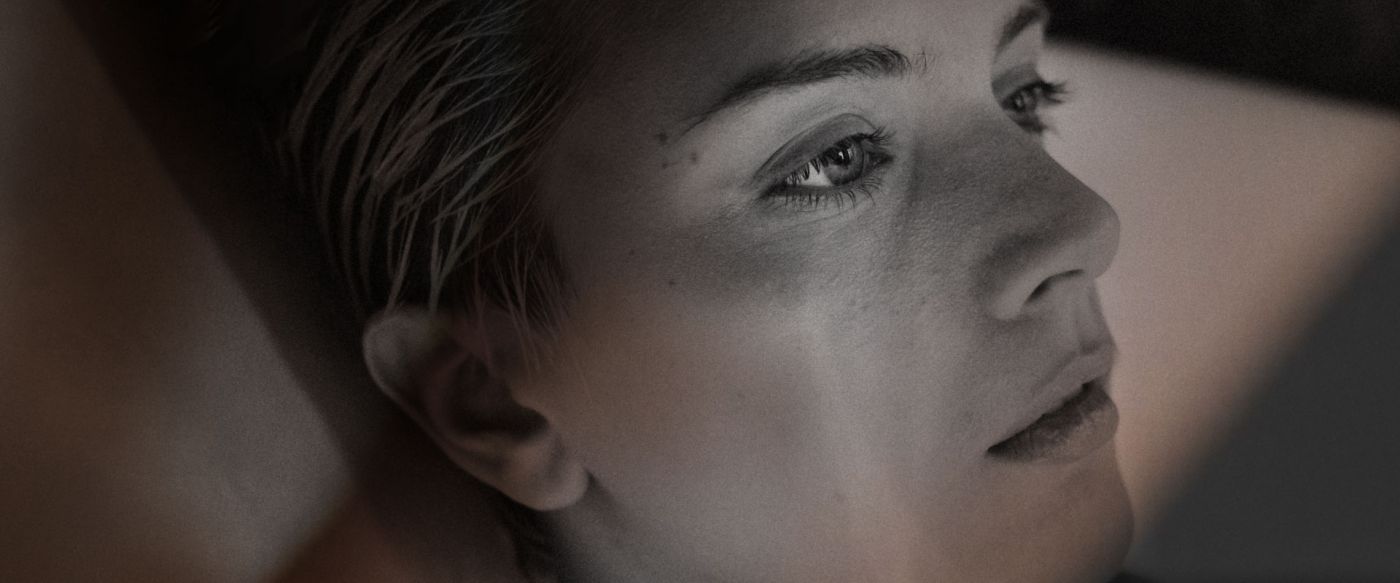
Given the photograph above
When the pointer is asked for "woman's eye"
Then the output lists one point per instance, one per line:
(841, 172)
(844, 162)
(1026, 104)
(838, 165)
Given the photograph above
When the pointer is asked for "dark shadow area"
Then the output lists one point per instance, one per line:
(1305, 486)
(82, 325)
(1348, 49)
(212, 148)
(185, 85)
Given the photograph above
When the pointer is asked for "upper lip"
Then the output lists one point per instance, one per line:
(1065, 381)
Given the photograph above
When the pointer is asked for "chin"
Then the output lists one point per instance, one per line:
(1082, 538)
(1097, 543)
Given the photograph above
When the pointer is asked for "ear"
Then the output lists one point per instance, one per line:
(450, 375)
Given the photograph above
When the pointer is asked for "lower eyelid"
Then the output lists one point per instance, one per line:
(810, 201)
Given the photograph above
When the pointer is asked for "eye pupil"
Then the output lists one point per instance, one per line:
(842, 154)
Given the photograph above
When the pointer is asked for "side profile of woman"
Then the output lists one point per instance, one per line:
(751, 292)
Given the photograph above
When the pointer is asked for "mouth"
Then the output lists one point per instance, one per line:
(1080, 425)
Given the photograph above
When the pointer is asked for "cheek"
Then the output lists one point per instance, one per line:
(704, 354)
(763, 374)
(688, 414)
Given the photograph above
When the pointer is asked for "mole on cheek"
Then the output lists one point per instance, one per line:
(694, 157)
(661, 137)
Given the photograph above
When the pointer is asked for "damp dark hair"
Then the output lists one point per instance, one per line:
(411, 137)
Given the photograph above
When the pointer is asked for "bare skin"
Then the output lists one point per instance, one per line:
(812, 302)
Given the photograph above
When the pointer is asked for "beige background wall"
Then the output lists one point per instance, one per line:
(159, 422)
(1243, 209)
(1256, 298)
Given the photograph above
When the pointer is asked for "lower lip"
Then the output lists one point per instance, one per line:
(1079, 427)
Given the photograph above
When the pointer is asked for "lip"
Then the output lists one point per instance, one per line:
(1076, 417)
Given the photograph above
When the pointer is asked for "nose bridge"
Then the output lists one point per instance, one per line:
(1060, 237)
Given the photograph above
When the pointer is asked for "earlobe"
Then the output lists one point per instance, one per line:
(444, 372)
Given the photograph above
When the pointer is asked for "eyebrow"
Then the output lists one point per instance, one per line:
(866, 62)
(1027, 15)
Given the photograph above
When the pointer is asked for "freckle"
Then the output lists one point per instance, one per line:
(631, 252)
(671, 282)
(661, 137)
(665, 165)
(694, 157)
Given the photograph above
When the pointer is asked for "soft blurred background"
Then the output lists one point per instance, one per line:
(179, 400)
(1255, 157)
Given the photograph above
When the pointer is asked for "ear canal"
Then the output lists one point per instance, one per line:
(439, 371)
(486, 407)
(507, 445)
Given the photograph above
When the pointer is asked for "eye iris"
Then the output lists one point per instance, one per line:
(1026, 101)
(842, 163)
(842, 154)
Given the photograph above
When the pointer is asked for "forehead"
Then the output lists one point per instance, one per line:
(677, 27)
(675, 54)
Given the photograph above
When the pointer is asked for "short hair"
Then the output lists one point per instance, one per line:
(411, 141)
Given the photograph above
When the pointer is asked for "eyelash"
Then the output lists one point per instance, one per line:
(1024, 107)
(873, 147)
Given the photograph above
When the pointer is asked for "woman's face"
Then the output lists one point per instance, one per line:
(825, 270)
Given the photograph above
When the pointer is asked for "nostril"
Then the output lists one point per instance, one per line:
(1051, 281)
(1039, 290)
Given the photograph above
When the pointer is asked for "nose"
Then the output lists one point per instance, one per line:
(1065, 238)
